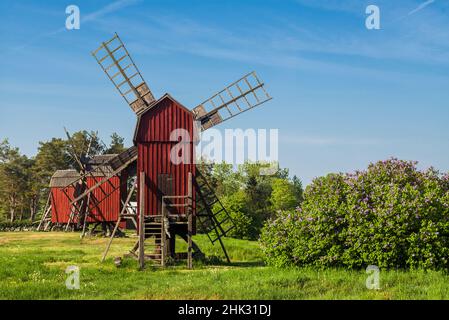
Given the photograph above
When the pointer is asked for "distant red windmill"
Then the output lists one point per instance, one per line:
(104, 204)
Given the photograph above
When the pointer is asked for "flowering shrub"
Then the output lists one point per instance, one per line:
(391, 215)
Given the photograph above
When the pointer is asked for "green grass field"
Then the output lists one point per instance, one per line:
(32, 266)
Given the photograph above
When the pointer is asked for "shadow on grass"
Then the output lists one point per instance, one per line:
(246, 264)
(216, 261)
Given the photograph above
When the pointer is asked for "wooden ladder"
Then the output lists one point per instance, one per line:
(155, 249)
(212, 215)
(185, 203)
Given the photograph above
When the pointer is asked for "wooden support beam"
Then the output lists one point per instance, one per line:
(111, 238)
(142, 220)
(189, 223)
(86, 212)
(47, 210)
(163, 233)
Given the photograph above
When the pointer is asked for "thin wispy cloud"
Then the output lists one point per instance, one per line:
(334, 5)
(90, 17)
(330, 141)
(110, 8)
(421, 7)
(290, 45)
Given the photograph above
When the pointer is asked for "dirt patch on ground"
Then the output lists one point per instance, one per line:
(65, 264)
(4, 241)
(30, 235)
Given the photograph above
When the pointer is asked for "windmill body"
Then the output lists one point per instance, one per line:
(154, 141)
(104, 205)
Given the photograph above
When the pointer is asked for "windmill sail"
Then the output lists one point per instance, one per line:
(120, 68)
(240, 96)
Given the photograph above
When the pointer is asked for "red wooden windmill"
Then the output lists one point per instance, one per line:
(67, 209)
(172, 198)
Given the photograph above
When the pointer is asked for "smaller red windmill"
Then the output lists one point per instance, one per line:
(102, 207)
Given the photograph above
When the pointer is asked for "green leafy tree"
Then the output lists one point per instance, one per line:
(82, 142)
(237, 206)
(4, 148)
(298, 189)
(227, 181)
(258, 188)
(283, 196)
(117, 144)
(51, 156)
(14, 180)
(249, 193)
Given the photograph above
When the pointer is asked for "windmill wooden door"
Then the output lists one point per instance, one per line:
(165, 186)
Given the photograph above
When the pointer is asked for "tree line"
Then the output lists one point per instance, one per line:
(249, 196)
(24, 180)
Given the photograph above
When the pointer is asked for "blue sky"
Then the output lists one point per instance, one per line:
(344, 96)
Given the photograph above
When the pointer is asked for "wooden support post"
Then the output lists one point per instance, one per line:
(47, 225)
(44, 218)
(86, 213)
(71, 217)
(171, 249)
(135, 248)
(46, 211)
(47, 214)
(163, 235)
(134, 222)
(111, 238)
(189, 223)
(224, 250)
(83, 233)
(142, 220)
